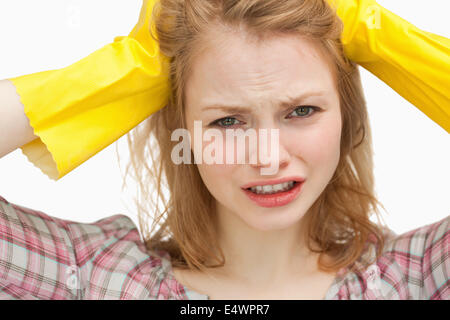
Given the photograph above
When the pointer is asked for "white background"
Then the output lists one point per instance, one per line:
(412, 153)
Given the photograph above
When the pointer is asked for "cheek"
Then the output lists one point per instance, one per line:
(319, 145)
(325, 147)
(217, 180)
(212, 174)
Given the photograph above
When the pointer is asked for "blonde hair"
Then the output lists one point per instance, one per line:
(183, 223)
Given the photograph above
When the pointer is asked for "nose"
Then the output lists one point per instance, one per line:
(275, 154)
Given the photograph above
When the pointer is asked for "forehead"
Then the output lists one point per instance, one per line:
(236, 69)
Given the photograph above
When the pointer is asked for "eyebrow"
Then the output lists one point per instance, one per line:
(290, 102)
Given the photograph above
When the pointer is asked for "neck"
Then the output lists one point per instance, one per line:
(257, 257)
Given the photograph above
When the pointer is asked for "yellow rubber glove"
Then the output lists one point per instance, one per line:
(415, 63)
(79, 110)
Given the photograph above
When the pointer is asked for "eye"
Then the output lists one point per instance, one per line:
(304, 111)
(226, 122)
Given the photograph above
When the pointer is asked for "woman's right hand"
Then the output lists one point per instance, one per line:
(79, 110)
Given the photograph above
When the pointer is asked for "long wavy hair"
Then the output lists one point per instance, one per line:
(174, 198)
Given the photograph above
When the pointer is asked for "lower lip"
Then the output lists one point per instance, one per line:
(276, 199)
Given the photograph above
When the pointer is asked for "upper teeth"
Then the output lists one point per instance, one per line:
(271, 188)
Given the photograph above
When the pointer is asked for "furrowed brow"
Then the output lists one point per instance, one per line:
(290, 102)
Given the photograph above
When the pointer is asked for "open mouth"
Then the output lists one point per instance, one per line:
(274, 195)
(273, 189)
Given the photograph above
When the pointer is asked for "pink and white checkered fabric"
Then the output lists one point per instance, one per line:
(42, 257)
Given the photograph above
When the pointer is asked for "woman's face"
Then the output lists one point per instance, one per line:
(260, 78)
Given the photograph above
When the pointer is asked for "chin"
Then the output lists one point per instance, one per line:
(276, 220)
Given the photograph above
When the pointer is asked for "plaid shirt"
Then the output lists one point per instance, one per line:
(42, 257)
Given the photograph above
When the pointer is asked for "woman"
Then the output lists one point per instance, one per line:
(219, 240)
